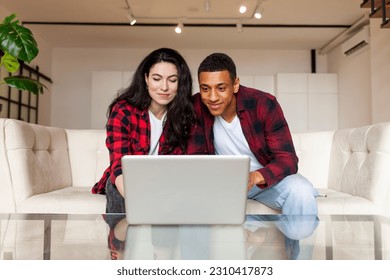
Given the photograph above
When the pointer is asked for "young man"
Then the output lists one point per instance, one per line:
(233, 119)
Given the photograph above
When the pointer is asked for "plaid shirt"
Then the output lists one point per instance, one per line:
(264, 127)
(128, 133)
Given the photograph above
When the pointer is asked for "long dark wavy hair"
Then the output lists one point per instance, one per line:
(180, 114)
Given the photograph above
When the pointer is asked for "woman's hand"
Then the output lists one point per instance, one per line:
(119, 185)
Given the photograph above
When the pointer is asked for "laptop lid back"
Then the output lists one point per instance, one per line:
(178, 189)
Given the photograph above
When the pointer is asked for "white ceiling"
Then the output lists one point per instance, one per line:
(112, 28)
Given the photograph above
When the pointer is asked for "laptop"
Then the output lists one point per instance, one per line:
(185, 189)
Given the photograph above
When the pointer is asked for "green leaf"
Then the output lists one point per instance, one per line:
(9, 19)
(25, 83)
(17, 40)
(10, 63)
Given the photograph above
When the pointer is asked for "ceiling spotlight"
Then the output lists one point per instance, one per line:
(179, 27)
(131, 17)
(258, 13)
(242, 8)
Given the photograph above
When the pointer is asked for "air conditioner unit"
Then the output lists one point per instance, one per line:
(357, 42)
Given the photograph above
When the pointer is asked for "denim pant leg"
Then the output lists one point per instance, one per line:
(115, 201)
(294, 195)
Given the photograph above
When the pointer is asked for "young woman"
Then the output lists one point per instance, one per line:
(152, 116)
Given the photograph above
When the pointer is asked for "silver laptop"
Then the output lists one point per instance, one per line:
(178, 189)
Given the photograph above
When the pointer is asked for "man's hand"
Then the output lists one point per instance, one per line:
(255, 178)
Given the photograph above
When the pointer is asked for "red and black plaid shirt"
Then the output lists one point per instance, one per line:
(264, 127)
(128, 133)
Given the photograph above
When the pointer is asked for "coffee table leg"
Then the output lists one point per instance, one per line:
(47, 239)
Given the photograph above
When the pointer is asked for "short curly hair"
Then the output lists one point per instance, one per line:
(218, 62)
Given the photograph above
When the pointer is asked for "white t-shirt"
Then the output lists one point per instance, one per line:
(230, 140)
(156, 128)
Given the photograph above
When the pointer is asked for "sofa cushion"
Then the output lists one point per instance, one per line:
(341, 203)
(335, 203)
(70, 200)
(254, 207)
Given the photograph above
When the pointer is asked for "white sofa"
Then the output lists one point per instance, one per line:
(51, 170)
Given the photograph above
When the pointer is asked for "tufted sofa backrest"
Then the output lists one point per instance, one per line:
(360, 162)
(88, 156)
(313, 151)
(34, 160)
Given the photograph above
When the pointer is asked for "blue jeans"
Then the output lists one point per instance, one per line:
(294, 195)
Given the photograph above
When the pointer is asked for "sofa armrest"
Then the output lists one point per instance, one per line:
(35, 160)
(7, 198)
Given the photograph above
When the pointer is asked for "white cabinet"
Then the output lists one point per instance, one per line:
(263, 83)
(105, 87)
(309, 101)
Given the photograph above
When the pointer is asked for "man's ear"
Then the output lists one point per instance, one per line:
(236, 85)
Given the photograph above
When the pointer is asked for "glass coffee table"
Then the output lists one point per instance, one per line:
(262, 237)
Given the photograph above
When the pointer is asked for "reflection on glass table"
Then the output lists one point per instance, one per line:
(284, 231)
(268, 237)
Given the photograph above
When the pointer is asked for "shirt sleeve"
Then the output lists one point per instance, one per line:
(282, 160)
(118, 138)
(197, 143)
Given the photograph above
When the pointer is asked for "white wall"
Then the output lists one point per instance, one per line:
(380, 72)
(364, 80)
(354, 78)
(44, 61)
(73, 71)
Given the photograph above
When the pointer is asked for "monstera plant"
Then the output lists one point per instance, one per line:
(17, 44)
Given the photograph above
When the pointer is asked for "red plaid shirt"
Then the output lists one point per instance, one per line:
(128, 133)
(264, 127)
